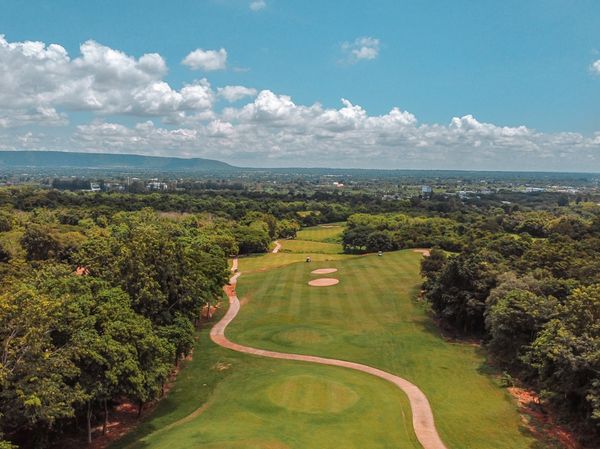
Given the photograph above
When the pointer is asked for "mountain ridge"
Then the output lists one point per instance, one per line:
(66, 159)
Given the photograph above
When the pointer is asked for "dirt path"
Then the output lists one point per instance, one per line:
(423, 422)
(277, 247)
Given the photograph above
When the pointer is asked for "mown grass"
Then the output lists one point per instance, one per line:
(329, 233)
(227, 400)
(371, 317)
(265, 262)
(308, 246)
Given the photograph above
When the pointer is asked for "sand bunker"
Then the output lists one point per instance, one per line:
(324, 271)
(323, 282)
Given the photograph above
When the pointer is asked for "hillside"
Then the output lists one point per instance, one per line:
(62, 159)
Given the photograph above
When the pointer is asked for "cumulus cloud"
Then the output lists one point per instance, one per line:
(257, 5)
(274, 130)
(206, 60)
(362, 48)
(41, 82)
(236, 93)
(596, 67)
(43, 85)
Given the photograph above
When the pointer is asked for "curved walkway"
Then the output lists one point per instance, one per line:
(277, 247)
(422, 415)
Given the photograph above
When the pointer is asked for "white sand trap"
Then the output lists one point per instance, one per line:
(323, 282)
(324, 271)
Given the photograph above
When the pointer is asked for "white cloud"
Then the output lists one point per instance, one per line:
(363, 48)
(273, 130)
(257, 5)
(207, 60)
(43, 85)
(236, 93)
(595, 67)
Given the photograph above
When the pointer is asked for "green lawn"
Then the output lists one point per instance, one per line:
(329, 233)
(370, 317)
(263, 262)
(308, 246)
(226, 400)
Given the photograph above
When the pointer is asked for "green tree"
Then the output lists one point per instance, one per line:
(565, 356)
(514, 321)
(36, 371)
(39, 242)
(287, 229)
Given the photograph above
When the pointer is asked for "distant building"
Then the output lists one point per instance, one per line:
(95, 187)
(390, 197)
(534, 189)
(156, 185)
(114, 186)
(464, 194)
(426, 190)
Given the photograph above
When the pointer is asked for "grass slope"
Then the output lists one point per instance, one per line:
(330, 233)
(265, 262)
(370, 318)
(308, 246)
(227, 400)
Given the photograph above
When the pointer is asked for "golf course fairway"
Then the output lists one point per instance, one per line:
(224, 399)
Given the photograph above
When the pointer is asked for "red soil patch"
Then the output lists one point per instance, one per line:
(324, 271)
(426, 252)
(208, 312)
(122, 419)
(541, 423)
(82, 271)
(323, 282)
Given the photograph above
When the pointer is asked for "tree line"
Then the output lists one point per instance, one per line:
(97, 306)
(528, 283)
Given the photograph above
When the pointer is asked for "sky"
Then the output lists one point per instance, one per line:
(427, 84)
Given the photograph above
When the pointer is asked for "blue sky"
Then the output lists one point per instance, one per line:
(487, 82)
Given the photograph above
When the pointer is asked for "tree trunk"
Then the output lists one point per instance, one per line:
(89, 422)
(140, 407)
(105, 425)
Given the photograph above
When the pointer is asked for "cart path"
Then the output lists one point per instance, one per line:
(422, 416)
(277, 247)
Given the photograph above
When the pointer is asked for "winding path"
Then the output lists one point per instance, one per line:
(422, 415)
(277, 247)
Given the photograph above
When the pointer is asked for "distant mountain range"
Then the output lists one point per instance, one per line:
(63, 159)
(67, 163)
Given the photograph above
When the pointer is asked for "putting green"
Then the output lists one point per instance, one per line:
(263, 403)
(310, 394)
